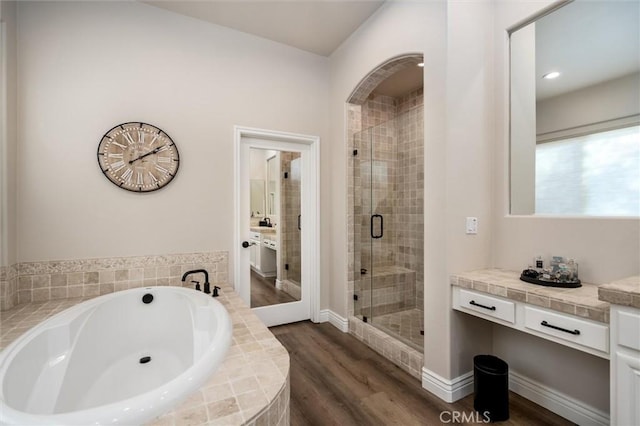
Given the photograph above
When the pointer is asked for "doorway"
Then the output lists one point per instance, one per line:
(277, 224)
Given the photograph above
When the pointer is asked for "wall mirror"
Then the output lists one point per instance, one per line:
(575, 111)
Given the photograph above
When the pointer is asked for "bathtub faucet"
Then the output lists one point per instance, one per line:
(207, 288)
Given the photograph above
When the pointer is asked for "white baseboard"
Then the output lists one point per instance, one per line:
(327, 315)
(557, 402)
(445, 389)
(278, 284)
(551, 399)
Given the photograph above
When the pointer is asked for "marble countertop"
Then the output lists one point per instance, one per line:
(582, 302)
(252, 382)
(625, 292)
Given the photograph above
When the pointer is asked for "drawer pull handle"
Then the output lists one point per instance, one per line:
(491, 308)
(555, 327)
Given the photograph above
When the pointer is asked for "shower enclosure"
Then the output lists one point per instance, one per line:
(389, 226)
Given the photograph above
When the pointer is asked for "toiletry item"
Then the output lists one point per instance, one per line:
(573, 269)
(555, 264)
(539, 263)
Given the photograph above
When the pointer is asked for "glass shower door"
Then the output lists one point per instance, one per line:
(361, 219)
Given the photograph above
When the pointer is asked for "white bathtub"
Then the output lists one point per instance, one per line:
(86, 365)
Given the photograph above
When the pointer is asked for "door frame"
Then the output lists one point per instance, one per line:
(310, 207)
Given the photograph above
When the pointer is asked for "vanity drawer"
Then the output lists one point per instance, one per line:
(488, 305)
(567, 327)
(255, 236)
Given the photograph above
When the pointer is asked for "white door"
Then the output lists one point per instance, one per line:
(276, 261)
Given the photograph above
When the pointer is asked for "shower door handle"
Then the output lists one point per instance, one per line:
(299, 227)
(373, 217)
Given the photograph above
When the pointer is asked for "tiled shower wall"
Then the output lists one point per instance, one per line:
(409, 193)
(290, 209)
(394, 177)
(50, 280)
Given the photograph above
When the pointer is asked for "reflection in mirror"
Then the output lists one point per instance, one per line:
(272, 180)
(257, 197)
(575, 111)
(275, 255)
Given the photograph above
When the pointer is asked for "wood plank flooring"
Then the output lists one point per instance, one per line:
(337, 380)
(265, 293)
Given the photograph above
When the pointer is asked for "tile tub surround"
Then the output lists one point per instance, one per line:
(625, 292)
(61, 279)
(251, 387)
(581, 302)
(8, 287)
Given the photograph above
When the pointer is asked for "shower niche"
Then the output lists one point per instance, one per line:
(386, 222)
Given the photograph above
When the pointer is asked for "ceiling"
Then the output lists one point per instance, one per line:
(317, 26)
(588, 42)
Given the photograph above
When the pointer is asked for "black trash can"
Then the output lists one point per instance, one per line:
(491, 387)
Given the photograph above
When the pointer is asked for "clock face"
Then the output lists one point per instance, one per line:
(138, 157)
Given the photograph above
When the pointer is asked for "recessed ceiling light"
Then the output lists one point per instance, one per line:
(421, 64)
(551, 75)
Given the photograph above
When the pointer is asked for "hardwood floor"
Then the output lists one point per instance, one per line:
(264, 292)
(337, 380)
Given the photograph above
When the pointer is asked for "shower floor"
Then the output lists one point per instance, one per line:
(404, 324)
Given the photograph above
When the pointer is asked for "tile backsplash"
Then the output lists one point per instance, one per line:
(60, 279)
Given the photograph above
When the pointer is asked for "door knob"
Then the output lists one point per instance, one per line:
(245, 244)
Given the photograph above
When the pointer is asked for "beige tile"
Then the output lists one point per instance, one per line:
(75, 278)
(41, 295)
(122, 275)
(24, 283)
(254, 398)
(74, 291)
(91, 290)
(559, 306)
(192, 416)
(91, 278)
(41, 281)
(106, 288)
(217, 392)
(150, 272)
(107, 276)
(58, 293)
(244, 385)
(58, 280)
(136, 274)
(223, 408)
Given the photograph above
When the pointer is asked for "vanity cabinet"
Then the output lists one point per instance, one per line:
(569, 330)
(262, 257)
(625, 365)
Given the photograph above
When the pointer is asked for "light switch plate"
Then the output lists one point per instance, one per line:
(472, 225)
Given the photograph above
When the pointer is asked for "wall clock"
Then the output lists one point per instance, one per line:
(138, 157)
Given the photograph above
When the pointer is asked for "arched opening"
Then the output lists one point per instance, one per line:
(385, 204)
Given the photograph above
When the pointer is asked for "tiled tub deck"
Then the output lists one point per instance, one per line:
(251, 387)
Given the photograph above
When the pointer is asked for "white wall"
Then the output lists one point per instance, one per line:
(8, 133)
(87, 66)
(581, 376)
(468, 163)
(606, 248)
(456, 40)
